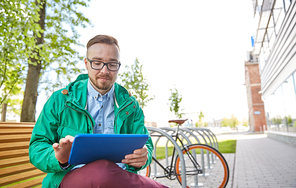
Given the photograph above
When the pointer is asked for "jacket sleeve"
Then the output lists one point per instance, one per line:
(44, 134)
(139, 128)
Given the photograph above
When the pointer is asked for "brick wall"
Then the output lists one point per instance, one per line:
(255, 103)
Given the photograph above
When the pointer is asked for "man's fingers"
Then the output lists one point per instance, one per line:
(138, 158)
(136, 162)
(63, 148)
(63, 141)
(70, 138)
(55, 146)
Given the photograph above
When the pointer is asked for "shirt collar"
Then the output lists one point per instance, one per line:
(94, 93)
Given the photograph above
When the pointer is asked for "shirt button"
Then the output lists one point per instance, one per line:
(99, 124)
(127, 113)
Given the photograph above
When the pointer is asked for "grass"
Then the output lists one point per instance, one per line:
(226, 146)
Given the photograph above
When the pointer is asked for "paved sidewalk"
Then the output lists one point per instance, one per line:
(264, 162)
(259, 162)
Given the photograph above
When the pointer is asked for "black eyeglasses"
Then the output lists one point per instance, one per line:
(99, 65)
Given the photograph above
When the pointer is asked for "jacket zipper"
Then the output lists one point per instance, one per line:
(119, 112)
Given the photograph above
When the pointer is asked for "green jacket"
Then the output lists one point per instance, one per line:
(64, 114)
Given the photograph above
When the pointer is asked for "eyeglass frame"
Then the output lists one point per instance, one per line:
(107, 64)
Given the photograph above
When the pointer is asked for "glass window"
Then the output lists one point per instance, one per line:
(289, 100)
(274, 108)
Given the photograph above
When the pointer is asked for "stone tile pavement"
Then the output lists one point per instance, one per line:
(259, 162)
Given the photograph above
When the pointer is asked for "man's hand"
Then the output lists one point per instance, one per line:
(62, 150)
(137, 159)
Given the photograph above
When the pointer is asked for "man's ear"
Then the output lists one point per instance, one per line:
(85, 62)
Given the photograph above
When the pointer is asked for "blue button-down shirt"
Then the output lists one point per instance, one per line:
(101, 108)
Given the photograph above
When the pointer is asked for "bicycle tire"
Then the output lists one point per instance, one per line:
(217, 176)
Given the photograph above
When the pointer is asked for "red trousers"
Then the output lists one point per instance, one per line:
(106, 174)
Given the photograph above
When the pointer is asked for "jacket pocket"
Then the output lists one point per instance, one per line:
(64, 131)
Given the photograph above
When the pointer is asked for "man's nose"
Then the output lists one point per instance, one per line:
(105, 70)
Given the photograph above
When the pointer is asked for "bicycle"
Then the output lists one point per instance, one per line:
(216, 175)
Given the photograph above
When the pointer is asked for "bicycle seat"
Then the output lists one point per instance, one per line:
(178, 121)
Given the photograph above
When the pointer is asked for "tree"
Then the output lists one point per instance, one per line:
(277, 120)
(135, 82)
(11, 105)
(289, 120)
(17, 26)
(232, 122)
(53, 53)
(245, 123)
(175, 99)
(200, 117)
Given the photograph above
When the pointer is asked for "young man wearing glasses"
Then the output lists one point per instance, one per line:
(93, 103)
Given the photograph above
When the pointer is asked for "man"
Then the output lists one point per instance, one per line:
(93, 103)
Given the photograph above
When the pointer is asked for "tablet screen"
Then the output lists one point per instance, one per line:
(87, 148)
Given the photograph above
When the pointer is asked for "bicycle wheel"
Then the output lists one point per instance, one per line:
(215, 171)
(145, 172)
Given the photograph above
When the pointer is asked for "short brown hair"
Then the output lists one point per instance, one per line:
(105, 39)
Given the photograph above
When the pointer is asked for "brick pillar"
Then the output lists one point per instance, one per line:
(257, 119)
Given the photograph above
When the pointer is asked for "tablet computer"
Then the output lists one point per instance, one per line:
(87, 148)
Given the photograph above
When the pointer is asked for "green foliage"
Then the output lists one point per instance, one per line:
(289, 120)
(135, 82)
(13, 106)
(232, 122)
(58, 57)
(276, 120)
(17, 27)
(200, 122)
(175, 99)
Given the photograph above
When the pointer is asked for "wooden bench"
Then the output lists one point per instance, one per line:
(15, 168)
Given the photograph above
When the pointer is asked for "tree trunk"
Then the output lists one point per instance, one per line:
(32, 81)
(3, 114)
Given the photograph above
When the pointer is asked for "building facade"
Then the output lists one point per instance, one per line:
(275, 48)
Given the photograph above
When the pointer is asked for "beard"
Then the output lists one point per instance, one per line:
(102, 86)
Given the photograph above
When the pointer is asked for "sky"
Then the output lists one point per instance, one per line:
(197, 47)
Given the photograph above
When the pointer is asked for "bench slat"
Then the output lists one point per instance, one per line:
(30, 183)
(13, 153)
(16, 169)
(15, 131)
(14, 146)
(15, 126)
(14, 161)
(19, 177)
(14, 138)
